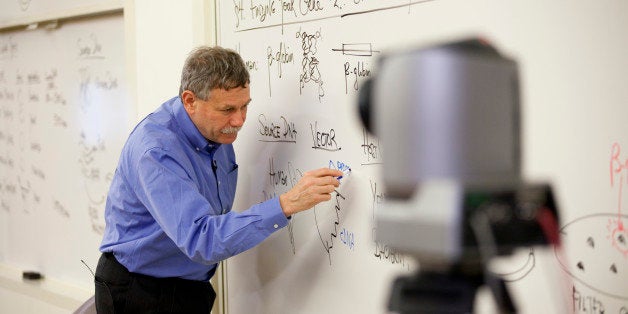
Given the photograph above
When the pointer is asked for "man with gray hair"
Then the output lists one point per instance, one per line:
(168, 214)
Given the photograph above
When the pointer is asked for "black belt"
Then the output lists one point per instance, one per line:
(121, 269)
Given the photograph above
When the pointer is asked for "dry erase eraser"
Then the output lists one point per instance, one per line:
(31, 275)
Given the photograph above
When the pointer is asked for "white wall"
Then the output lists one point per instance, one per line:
(164, 32)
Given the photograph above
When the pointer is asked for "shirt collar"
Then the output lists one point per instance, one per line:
(190, 130)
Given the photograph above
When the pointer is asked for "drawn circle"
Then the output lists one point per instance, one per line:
(594, 254)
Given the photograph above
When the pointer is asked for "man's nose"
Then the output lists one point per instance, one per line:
(238, 118)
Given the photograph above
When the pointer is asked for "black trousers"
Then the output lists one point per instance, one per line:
(120, 291)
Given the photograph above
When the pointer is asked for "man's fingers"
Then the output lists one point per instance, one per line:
(315, 187)
(324, 172)
(323, 189)
(323, 181)
(328, 181)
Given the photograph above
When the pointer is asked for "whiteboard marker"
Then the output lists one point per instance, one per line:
(345, 172)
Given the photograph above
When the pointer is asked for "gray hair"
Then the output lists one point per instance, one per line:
(207, 68)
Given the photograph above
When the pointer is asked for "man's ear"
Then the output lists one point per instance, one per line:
(188, 98)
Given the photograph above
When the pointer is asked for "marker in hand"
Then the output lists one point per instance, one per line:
(345, 172)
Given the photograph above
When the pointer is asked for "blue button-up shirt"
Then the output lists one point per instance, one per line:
(168, 211)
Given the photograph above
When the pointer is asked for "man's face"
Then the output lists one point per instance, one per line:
(220, 117)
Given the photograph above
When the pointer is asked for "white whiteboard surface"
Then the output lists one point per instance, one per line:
(25, 12)
(64, 116)
(308, 60)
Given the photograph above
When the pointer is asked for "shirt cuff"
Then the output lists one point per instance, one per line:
(273, 216)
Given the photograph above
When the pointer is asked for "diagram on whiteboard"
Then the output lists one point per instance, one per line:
(598, 255)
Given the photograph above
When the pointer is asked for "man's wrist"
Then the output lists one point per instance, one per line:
(283, 203)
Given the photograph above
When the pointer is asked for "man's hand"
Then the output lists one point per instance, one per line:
(315, 187)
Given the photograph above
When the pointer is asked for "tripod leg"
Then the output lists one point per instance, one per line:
(501, 295)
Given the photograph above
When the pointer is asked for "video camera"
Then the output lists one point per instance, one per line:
(449, 123)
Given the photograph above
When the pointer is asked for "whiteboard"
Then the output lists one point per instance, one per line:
(308, 59)
(31, 11)
(64, 116)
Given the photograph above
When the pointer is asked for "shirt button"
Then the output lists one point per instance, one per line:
(198, 149)
(276, 226)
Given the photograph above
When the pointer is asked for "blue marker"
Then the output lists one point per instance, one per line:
(346, 172)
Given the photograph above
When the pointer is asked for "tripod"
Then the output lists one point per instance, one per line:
(452, 291)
